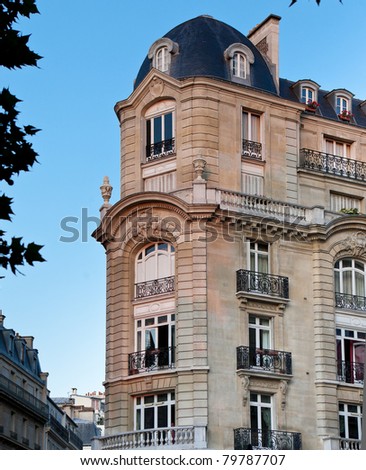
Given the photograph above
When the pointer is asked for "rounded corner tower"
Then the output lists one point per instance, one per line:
(206, 47)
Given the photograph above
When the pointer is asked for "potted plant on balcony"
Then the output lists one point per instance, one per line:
(345, 115)
(311, 106)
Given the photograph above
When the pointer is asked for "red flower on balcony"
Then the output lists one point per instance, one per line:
(311, 106)
(345, 115)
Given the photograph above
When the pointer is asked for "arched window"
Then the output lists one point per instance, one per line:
(239, 65)
(162, 59)
(349, 276)
(155, 265)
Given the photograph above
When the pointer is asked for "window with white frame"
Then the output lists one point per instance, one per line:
(350, 355)
(162, 59)
(251, 135)
(261, 419)
(307, 95)
(159, 136)
(156, 336)
(240, 57)
(258, 257)
(349, 277)
(239, 65)
(342, 104)
(350, 421)
(259, 339)
(338, 148)
(161, 52)
(155, 261)
(155, 411)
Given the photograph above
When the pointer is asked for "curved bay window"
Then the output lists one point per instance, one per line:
(350, 355)
(155, 266)
(350, 285)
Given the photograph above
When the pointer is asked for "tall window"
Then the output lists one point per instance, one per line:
(239, 64)
(342, 104)
(155, 266)
(259, 257)
(261, 419)
(159, 136)
(155, 411)
(259, 339)
(162, 59)
(251, 126)
(349, 277)
(156, 336)
(350, 419)
(350, 355)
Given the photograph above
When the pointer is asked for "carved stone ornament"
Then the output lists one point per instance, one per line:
(283, 390)
(106, 190)
(199, 165)
(156, 87)
(245, 382)
(355, 244)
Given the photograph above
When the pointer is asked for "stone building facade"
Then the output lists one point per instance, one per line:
(236, 252)
(29, 419)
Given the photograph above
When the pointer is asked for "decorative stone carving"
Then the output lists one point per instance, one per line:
(106, 190)
(199, 165)
(283, 390)
(156, 87)
(245, 382)
(355, 244)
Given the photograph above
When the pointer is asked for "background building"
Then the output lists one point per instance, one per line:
(236, 252)
(29, 419)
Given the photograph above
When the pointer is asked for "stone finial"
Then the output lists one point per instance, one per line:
(199, 165)
(106, 190)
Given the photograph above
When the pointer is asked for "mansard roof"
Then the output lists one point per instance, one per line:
(202, 43)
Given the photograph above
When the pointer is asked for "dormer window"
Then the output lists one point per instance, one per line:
(239, 65)
(307, 95)
(160, 53)
(162, 59)
(240, 58)
(342, 104)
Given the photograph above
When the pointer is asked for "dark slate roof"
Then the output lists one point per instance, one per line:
(11, 346)
(325, 108)
(87, 430)
(202, 42)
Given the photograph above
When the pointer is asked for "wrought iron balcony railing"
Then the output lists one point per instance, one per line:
(160, 149)
(332, 164)
(262, 283)
(263, 359)
(247, 438)
(350, 372)
(23, 397)
(251, 150)
(350, 302)
(155, 287)
(151, 359)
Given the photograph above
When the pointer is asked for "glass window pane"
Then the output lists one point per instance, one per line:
(168, 126)
(157, 130)
(352, 427)
(266, 398)
(162, 416)
(149, 418)
(149, 399)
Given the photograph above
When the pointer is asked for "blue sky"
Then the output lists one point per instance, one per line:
(92, 52)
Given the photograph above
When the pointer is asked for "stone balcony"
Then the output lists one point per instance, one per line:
(179, 437)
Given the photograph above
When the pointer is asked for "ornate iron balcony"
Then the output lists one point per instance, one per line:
(350, 372)
(263, 359)
(262, 283)
(332, 164)
(247, 438)
(151, 359)
(160, 149)
(251, 149)
(155, 287)
(349, 301)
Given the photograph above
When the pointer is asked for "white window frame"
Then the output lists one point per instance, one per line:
(255, 250)
(307, 94)
(245, 55)
(152, 324)
(168, 48)
(337, 147)
(247, 130)
(346, 414)
(239, 65)
(155, 251)
(342, 104)
(262, 328)
(347, 339)
(340, 269)
(155, 402)
(162, 61)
